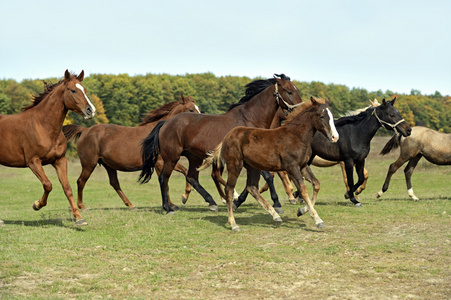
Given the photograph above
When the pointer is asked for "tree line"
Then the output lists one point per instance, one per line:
(124, 100)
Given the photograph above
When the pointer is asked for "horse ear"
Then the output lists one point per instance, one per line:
(66, 76)
(81, 76)
(393, 101)
(313, 99)
(384, 102)
(182, 98)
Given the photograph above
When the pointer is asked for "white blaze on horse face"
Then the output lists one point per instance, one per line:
(197, 107)
(335, 134)
(93, 109)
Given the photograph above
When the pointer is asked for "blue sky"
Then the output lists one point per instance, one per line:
(389, 45)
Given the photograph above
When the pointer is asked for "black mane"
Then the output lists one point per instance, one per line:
(255, 87)
(353, 119)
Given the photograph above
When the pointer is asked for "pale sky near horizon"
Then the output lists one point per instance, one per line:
(389, 45)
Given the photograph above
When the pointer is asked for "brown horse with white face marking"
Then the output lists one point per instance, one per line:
(118, 148)
(33, 138)
(433, 145)
(285, 148)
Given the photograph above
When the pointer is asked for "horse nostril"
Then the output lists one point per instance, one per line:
(89, 110)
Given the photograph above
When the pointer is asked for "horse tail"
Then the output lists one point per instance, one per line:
(73, 132)
(150, 151)
(392, 144)
(214, 157)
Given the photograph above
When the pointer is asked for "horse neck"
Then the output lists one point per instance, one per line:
(261, 109)
(51, 112)
(367, 128)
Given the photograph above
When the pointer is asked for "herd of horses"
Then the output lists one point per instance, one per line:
(270, 129)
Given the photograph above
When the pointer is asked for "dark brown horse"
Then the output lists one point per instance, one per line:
(193, 135)
(433, 145)
(33, 138)
(284, 148)
(117, 148)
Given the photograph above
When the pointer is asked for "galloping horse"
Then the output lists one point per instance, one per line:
(33, 138)
(104, 144)
(284, 148)
(356, 133)
(193, 135)
(433, 145)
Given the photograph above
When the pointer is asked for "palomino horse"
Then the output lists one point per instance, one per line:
(193, 135)
(104, 144)
(33, 138)
(356, 133)
(433, 145)
(284, 148)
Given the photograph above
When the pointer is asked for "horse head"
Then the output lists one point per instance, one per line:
(325, 121)
(389, 117)
(74, 96)
(286, 93)
(188, 105)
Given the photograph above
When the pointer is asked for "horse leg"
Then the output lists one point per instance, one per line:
(234, 170)
(193, 179)
(181, 169)
(265, 187)
(270, 180)
(86, 172)
(240, 200)
(360, 170)
(218, 180)
(349, 167)
(310, 177)
(114, 182)
(36, 167)
(408, 171)
(296, 177)
(60, 166)
(363, 186)
(391, 170)
(287, 186)
(345, 179)
(158, 168)
(253, 177)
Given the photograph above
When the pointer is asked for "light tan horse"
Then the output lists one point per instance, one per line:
(433, 145)
(33, 138)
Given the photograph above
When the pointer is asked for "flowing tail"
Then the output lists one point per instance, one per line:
(150, 151)
(73, 132)
(213, 157)
(392, 144)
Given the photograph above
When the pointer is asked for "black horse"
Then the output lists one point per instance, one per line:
(356, 133)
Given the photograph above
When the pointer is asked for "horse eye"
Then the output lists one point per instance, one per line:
(322, 117)
(73, 91)
(191, 110)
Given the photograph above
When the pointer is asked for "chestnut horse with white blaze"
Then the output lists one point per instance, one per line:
(33, 138)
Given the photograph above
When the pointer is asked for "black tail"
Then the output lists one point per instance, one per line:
(392, 144)
(150, 150)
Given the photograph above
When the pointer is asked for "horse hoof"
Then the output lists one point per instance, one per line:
(346, 196)
(184, 199)
(2, 223)
(320, 225)
(358, 205)
(175, 207)
(224, 201)
(279, 210)
(379, 194)
(301, 211)
(134, 208)
(292, 201)
(236, 228)
(35, 207)
(213, 207)
(278, 220)
(81, 222)
(170, 213)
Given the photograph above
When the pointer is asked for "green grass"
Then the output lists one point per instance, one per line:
(391, 248)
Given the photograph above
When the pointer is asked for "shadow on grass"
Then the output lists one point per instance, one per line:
(45, 222)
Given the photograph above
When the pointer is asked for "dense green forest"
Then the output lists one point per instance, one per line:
(123, 99)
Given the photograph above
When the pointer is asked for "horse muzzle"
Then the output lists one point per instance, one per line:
(89, 112)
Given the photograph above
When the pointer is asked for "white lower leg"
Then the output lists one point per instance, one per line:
(412, 195)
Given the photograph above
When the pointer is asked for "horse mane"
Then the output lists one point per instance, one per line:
(350, 113)
(255, 87)
(297, 111)
(354, 118)
(48, 88)
(159, 113)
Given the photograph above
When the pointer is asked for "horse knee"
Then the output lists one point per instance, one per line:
(47, 186)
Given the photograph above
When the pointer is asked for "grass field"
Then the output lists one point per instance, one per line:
(392, 248)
